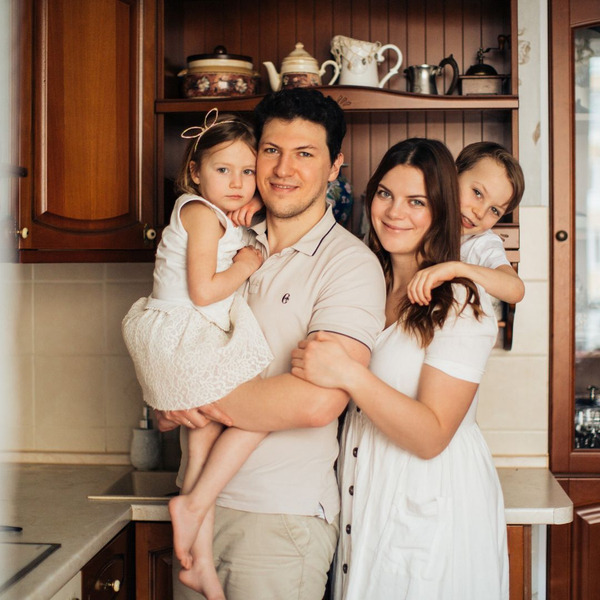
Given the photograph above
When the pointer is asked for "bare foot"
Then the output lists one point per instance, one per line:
(186, 524)
(202, 577)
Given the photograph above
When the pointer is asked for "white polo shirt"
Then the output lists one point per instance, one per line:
(327, 281)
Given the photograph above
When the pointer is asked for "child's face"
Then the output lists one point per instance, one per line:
(227, 176)
(485, 192)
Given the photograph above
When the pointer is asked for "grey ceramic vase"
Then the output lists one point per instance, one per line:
(145, 449)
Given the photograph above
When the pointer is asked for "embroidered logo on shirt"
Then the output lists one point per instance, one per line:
(285, 299)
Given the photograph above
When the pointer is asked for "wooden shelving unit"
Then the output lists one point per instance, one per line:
(353, 99)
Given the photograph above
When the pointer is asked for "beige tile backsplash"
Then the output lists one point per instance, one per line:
(77, 387)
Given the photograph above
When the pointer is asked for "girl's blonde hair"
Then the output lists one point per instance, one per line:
(227, 128)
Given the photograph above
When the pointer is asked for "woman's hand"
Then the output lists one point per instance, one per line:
(322, 360)
(420, 286)
(243, 216)
(251, 257)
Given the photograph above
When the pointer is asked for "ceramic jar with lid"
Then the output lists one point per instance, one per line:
(219, 74)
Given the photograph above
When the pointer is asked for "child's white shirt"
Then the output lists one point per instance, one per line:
(484, 250)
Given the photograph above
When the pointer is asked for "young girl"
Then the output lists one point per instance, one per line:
(195, 339)
(422, 510)
(491, 185)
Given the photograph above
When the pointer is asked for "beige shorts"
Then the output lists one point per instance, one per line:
(268, 557)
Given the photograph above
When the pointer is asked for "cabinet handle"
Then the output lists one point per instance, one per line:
(562, 236)
(24, 233)
(149, 233)
(115, 585)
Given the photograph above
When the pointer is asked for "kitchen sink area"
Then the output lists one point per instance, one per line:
(151, 486)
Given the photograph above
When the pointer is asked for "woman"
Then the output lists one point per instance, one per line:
(422, 510)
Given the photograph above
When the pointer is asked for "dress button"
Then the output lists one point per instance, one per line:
(351, 490)
(357, 409)
(355, 452)
(345, 568)
(348, 529)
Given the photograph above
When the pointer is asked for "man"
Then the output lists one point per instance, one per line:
(276, 524)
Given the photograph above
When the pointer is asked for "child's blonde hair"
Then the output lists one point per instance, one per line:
(473, 153)
(227, 128)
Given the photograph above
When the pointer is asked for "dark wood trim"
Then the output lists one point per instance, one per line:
(353, 99)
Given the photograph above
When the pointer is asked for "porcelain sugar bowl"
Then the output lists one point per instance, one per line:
(299, 69)
(219, 74)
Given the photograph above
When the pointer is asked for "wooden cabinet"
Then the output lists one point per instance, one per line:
(575, 353)
(154, 561)
(268, 31)
(110, 574)
(86, 129)
(519, 561)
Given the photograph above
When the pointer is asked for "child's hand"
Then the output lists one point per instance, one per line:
(420, 286)
(243, 216)
(251, 258)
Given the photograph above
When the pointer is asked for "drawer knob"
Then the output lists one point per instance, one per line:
(562, 236)
(115, 585)
(23, 233)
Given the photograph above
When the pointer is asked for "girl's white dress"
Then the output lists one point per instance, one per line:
(187, 355)
(414, 529)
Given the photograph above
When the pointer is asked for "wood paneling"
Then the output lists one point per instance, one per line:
(424, 32)
(519, 561)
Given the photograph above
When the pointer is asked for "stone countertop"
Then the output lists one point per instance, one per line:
(50, 503)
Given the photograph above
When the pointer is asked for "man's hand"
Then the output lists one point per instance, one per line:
(192, 419)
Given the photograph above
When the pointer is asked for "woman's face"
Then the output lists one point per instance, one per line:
(400, 211)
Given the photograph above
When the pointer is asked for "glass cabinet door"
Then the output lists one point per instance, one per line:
(587, 237)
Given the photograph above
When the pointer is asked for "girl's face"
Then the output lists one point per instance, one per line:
(227, 175)
(485, 192)
(400, 211)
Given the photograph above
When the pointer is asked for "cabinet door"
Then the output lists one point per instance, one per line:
(87, 124)
(110, 574)
(154, 561)
(574, 548)
(575, 244)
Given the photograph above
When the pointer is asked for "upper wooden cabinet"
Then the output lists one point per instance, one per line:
(86, 135)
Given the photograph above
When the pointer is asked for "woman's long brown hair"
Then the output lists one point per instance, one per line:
(441, 242)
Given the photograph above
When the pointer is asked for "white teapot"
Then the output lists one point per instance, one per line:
(358, 61)
(299, 69)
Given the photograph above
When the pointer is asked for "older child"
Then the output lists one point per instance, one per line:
(491, 185)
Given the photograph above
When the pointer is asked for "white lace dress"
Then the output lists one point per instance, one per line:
(414, 529)
(187, 355)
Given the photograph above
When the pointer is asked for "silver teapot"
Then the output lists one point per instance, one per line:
(421, 78)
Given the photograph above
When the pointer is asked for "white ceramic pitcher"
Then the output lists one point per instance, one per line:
(358, 61)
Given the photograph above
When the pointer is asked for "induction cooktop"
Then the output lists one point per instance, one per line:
(19, 558)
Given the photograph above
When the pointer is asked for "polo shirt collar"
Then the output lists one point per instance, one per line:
(309, 243)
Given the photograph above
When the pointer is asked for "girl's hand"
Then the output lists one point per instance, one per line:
(250, 257)
(420, 286)
(243, 216)
(322, 360)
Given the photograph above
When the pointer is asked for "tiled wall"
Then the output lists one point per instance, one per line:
(513, 409)
(77, 391)
(76, 387)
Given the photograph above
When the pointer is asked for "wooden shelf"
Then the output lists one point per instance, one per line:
(352, 99)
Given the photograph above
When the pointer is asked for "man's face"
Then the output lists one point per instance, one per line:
(293, 166)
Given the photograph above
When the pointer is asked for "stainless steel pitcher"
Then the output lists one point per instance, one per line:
(421, 78)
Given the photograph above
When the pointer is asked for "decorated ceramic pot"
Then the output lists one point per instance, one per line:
(219, 74)
(339, 195)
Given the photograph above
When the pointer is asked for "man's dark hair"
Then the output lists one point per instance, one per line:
(308, 104)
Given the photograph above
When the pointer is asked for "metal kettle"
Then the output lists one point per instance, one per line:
(421, 78)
